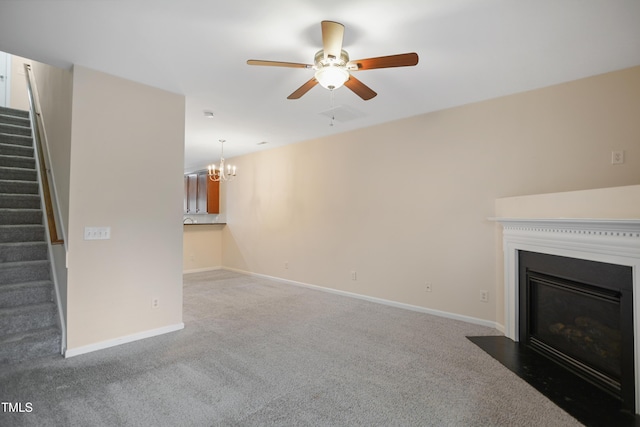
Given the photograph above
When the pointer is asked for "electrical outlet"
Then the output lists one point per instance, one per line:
(427, 287)
(484, 296)
(155, 303)
(354, 276)
(617, 157)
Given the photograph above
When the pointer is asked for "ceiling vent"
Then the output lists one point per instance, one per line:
(342, 113)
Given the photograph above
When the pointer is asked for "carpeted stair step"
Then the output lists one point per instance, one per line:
(15, 129)
(21, 233)
(15, 150)
(19, 201)
(22, 319)
(17, 174)
(22, 140)
(20, 294)
(8, 111)
(24, 271)
(18, 162)
(20, 216)
(37, 343)
(18, 187)
(23, 251)
(10, 119)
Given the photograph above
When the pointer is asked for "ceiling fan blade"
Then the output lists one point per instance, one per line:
(303, 89)
(332, 36)
(278, 64)
(401, 60)
(359, 88)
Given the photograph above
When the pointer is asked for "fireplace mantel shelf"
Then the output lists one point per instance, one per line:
(594, 227)
(631, 225)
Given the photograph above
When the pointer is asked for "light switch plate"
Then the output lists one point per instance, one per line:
(97, 233)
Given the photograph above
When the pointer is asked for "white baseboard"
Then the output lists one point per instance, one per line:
(439, 313)
(200, 270)
(122, 340)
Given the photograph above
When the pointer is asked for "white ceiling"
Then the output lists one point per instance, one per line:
(469, 50)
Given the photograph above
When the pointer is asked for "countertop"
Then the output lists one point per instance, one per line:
(205, 223)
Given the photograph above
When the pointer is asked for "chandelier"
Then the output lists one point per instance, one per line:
(219, 174)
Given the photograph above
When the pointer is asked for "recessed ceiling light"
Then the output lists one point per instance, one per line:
(263, 142)
(208, 114)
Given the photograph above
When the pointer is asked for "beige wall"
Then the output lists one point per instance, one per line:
(19, 98)
(127, 143)
(202, 248)
(407, 202)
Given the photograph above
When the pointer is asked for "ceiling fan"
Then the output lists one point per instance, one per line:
(333, 67)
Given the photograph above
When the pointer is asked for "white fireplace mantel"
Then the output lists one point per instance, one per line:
(613, 241)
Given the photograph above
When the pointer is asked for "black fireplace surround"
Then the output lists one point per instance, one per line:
(579, 313)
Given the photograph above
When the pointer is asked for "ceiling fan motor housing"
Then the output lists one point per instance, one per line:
(321, 61)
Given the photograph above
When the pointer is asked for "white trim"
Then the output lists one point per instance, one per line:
(396, 304)
(62, 323)
(613, 241)
(122, 340)
(7, 82)
(201, 270)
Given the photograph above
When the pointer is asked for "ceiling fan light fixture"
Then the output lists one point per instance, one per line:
(332, 77)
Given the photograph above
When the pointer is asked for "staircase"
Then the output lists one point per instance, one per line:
(28, 315)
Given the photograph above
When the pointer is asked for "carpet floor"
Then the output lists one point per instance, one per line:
(257, 352)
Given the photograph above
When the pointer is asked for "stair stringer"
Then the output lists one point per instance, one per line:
(58, 252)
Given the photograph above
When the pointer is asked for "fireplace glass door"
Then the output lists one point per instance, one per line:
(579, 313)
(578, 324)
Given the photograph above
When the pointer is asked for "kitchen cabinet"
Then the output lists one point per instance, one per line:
(201, 195)
(190, 193)
(213, 196)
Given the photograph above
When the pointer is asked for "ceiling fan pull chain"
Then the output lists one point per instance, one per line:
(331, 108)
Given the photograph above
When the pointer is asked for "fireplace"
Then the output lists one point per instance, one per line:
(551, 310)
(579, 313)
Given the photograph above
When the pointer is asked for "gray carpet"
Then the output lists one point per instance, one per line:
(256, 352)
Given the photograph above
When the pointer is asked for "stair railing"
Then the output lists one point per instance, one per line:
(40, 138)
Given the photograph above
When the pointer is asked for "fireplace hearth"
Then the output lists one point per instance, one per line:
(579, 313)
(589, 404)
